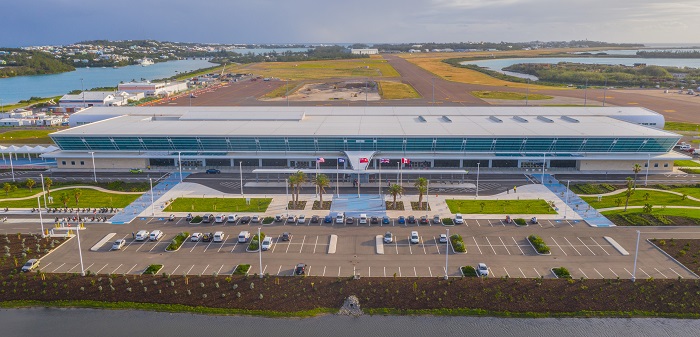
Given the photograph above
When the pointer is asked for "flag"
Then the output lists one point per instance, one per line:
(320, 160)
(341, 160)
(364, 160)
(405, 161)
(384, 160)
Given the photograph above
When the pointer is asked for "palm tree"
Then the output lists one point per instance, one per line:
(30, 183)
(629, 192)
(421, 185)
(77, 193)
(395, 190)
(300, 178)
(64, 199)
(636, 170)
(321, 182)
(293, 184)
(7, 187)
(48, 182)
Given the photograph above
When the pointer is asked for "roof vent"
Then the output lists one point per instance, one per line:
(570, 119)
(446, 119)
(495, 119)
(520, 119)
(422, 119)
(545, 119)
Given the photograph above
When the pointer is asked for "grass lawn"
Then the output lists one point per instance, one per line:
(637, 199)
(32, 102)
(324, 69)
(681, 126)
(26, 137)
(691, 170)
(500, 207)
(396, 90)
(88, 198)
(509, 95)
(686, 212)
(685, 163)
(218, 205)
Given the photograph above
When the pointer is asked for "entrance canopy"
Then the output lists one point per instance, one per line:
(373, 171)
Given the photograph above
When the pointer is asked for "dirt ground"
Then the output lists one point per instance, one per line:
(334, 91)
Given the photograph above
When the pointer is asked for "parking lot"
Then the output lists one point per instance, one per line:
(503, 247)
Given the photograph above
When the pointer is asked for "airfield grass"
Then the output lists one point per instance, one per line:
(8, 107)
(282, 90)
(324, 69)
(396, 90)
(681, 126)
(509, 95)
(26, 136)
(500, 207)
(218, 205)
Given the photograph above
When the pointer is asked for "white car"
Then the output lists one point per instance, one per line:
(155, 235)
(414, 237)
(220, 218)
(267, 243)
(339, 218)
(301, 219)
(232, 218)
(443, 238)
(142, 235)
(196, 237)
(388, 237)
(118, 244)
(363, 219)
(255, 219)
(459, 219)
(30, 265)
(482, 270)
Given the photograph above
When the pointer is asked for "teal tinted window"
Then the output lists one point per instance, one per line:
(272, 144)
(419, 144)
(478, 145)
(242, 144)
(213, 143)
(390, 144)
(360, 144)
(448, 144)
(330, 144)
(301, 144)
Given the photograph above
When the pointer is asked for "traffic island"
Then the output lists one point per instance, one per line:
(423, 206)
(318, 206)
(298, 205)
(391, 206)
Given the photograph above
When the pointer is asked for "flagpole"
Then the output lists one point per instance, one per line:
(398, 169)
(316, 189)
(380, 177)
(337, 177)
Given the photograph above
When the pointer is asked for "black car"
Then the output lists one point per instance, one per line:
(207, 237)
(424, 220)
(245, 220)
(374, 220)
(314, 219)
(286, 236)
(411, 219)
(300, 269)
(213, 171)
(279, 218)
(349, 220)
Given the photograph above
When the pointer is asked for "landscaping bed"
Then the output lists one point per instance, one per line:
(317, 205)
(241, 269)
(268, 220)
(19, 248)
(561, 272)
(300, 205)
(537, 206)
(520, 222)
(468, 271)
(423, 295)
(420, 207)
(197, 219)
(538, 244)
(399, 206)
(640, 198)
(637, 217)
(177, 241)
(457, 243)
(592, 188)
(153, 269)
(254, 244)
(686, 251)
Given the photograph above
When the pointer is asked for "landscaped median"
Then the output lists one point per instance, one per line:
(254, 245)
(177, 242)
(561, 272)
(531, 206)
(218, 205)
(538, 244)
(241, 269)
(153, 269)
(457, 244)
(468, 271)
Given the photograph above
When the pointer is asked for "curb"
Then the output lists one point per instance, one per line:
(672, 258)
(178, 248)
(54, 249)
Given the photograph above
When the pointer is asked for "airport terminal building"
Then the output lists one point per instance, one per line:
(358, 140)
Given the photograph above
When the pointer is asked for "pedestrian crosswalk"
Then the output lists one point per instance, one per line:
(234, 185)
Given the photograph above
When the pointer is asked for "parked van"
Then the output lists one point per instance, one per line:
(243, 237)
(232, 217)
(207, 218)
(156, 235)
(142, 235)
(363, 219)
(218, 236)
(339, 218)
(219, 218)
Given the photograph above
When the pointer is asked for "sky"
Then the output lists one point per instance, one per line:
(53, 22)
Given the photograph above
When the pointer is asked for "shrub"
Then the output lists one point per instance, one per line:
(196, 219)
(177, 241)
(447, 221)
(539, 244)
(457, 243)
(561, 272)
(268, 220)
(241, 269)
(520, 222)
(469, 271)
(254, 242)
(153, 269)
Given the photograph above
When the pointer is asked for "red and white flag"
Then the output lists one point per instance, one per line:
(320, 160)
(364, 160)
(384, 160)
(405, 161)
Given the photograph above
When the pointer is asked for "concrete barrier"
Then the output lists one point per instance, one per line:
(617, 246)
(332, 244)
(380, 244)
(99, 244)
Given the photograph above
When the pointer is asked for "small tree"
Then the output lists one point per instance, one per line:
(421, 185)
(482, 205)
(30, 184)
(395, 190)
(636, 170)
(646, 196)
(48, 182)
(321, 181)
(7, 187)
(76, 194)
(647, 208)
(64, 199)
(629, 192)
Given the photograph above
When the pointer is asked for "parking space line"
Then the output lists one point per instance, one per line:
(414, 272)
(316, 244)
(324, 271)
(195, 245)
(302, 244)
(141, 246)
(103, 267)
(614, 273)
(601, 247)
(504, 268)
(430, 271)
(662, 274)
(538, 273)
(628, 272)
(278, 270)
(261, 272)
(436, 245)
(423, 244)
(205, 270)
(276, 242)
(369, 271)
(521, 271)
(679, 275)
(584, 274)
(115, 269)
(645, 273)
(477, 245)
(517, 245)
(207, 247)
(477, 222)
(223, 243)
(504, 245)
(384, 271)
(46, 265)
(234, 246)
(409, 245)
(586, 245)
(157, 242)
(57, 268)
(219, 271)
(77, 264)
(399, 271)
(490, 224)
(174, 270)
(569, 222)
(555, 242)
(289, 243)
(88, 267)
(601, 275)
(188, 272)
(338, 271)
(487, 240)
(572, 246)
(309, 270)
(132, 268)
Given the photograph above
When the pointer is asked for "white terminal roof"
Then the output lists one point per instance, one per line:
(489, 121)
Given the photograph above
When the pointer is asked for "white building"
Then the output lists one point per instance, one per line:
(365, 51)
(153, 88)
(16, 122)
(90, 98)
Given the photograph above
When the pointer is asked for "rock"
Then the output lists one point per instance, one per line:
(351, 307)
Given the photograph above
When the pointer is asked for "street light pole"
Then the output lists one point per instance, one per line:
(646, 176)
(41, 219)
(153, 210)
(447, 254)
(240, 171)
(94, 171)
(636, 253)
(286, 193)
(260, 252)
(12, 167)
(42, 188)
(82, 91)
(80, 252)
(478, 166)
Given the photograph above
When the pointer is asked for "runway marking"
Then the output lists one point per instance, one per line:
(632, 103)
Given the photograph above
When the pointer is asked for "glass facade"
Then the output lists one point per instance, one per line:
(388, 144)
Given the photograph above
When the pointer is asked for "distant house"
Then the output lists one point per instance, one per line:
(365, 51)
(152, 88)
(15, 122)
(90, 98)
